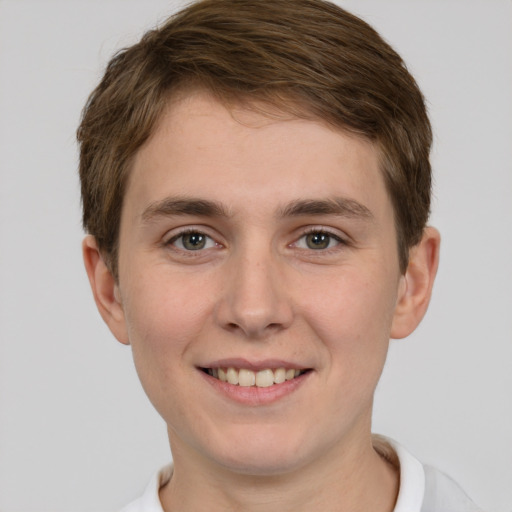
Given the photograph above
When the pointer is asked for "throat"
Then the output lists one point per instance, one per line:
(369, 484)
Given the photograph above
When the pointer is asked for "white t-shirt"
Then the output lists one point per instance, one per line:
(422, 488)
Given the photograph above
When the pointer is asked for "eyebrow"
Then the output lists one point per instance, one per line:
(175, 206)
(338, 206)
(183, 206)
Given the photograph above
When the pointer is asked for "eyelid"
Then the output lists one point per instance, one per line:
(322, 229)
(175, 234)
(334, 234)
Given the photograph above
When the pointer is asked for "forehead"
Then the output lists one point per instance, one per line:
(251, 160)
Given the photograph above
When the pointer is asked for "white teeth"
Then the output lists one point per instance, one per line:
(264, 378)
(247, 378)
(279, 375)
(232, 376)
(290, 374)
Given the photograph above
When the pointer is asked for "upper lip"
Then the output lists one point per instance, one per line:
(254, 365)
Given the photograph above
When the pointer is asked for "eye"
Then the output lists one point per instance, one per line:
(318, 240)
(192, 241)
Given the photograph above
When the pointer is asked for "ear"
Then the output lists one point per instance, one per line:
(416, 284)
(105, 289)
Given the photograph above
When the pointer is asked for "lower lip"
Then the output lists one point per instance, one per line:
(253, 395)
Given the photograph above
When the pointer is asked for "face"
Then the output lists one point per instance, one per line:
(263, 251)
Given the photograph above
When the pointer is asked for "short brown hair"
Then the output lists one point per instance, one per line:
(307, 57)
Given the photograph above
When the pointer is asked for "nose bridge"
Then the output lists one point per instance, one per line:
(254, 300)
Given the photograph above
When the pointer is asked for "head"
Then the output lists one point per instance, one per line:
(256, 182)
(307, 58)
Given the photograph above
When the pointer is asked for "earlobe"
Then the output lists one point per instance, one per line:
(105, 289)
(416, 286)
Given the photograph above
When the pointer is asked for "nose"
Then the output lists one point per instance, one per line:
(254, 301)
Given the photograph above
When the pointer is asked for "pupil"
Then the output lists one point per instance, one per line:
(318, 240)
(194, 241)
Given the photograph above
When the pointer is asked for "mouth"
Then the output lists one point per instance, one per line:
(245, 377)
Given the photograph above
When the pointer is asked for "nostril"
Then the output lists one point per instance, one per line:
(253, 331)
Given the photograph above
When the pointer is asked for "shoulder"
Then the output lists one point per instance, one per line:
(150, 501)
(422, 488)
(442, 493)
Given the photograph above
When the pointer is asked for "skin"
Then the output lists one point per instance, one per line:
(258, 291)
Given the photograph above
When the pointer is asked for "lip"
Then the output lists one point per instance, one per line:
(254, 365)
(253, 395)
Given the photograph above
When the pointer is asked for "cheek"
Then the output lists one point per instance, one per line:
(164, 310)
(164, 320)
(352, 316)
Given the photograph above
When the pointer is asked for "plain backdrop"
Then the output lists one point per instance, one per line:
(76, 431)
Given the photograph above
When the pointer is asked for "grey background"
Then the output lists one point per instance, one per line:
(76, 431)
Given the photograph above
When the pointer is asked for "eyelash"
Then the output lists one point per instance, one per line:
(311, 231)
(322, 231)
(182, 234)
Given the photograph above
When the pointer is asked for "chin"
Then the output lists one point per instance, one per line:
(262, 465)
(261, 455)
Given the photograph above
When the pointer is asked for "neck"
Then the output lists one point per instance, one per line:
(353, 479)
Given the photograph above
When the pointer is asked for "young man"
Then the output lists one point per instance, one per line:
(256, 187)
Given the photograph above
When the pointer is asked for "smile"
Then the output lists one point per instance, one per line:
(249, 378)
